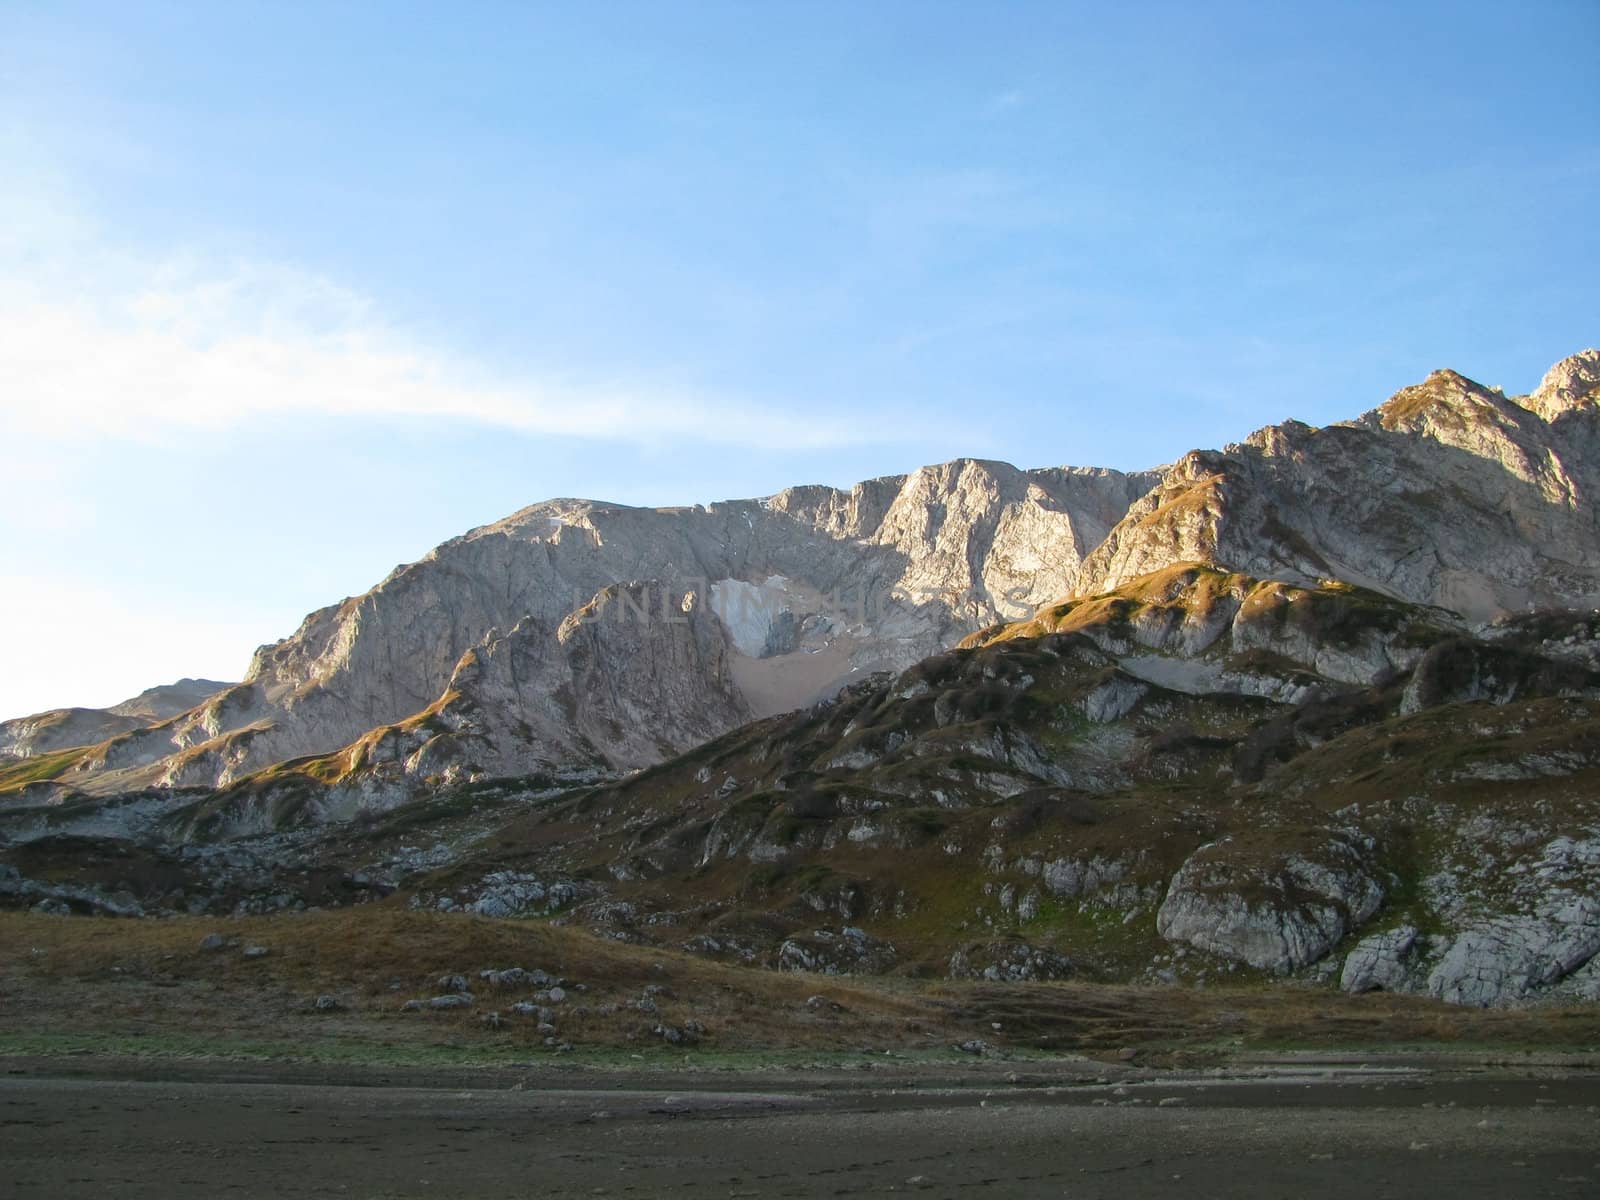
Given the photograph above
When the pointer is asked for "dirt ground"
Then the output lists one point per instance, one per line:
(134, 1062)
(76, 1127)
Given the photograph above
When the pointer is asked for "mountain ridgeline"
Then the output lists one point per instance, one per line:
(1324, 703)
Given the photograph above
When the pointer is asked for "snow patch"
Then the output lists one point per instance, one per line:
(749, 610)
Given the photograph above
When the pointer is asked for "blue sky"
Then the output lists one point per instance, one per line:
(290, 294)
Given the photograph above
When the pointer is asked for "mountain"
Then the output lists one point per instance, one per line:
(581, 637)
(62, 728)
(1198, 776)
(1324, 704)
(1448, 494)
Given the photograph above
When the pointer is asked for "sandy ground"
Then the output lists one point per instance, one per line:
(106, 1129)
(786, 682)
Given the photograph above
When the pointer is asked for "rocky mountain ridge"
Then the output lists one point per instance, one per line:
(581, 639)
(1197, 776)
(609, 637)
(1448, 494)
(64, 728)
(1350, 739)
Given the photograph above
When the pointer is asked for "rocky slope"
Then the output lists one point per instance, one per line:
(1270, 730)
(583, 637)
(595, 621)
(1198, 776)
(62, 728)
(1448, 494)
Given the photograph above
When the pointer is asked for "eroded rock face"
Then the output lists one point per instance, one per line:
(1385, 962)
(1570, 386)
(571, 617)
(1545, 931)
(1539, 939)
(1460, 670)
(1507, 959)
(59, 729)
(1197, 629)
(1449, 494)
(1277, 904)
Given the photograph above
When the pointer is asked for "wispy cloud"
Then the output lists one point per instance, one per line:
(99, 338)
(138, 350)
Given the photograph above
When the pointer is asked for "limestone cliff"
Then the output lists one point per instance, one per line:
(578, 636)
(784, 599)
(1448, 494)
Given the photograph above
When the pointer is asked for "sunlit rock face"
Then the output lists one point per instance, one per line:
(578, 635)
(63, 728)
(583, 634)
(1449, 494)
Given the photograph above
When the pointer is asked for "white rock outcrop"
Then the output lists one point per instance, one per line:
(1276, 908)
(1382, 962)
(1449, 494)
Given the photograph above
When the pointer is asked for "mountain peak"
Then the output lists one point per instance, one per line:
(1444, 396)
(1571, 384)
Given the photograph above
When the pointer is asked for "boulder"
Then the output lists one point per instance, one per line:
(1507, 959)
(1277, 903)
(850, 952)
(1382, 962)
(1008, 962)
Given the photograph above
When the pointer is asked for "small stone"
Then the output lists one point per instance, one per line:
(412, 1006)
(557, 995)
(326, 1004)
(213, 941)
(256, 952)
(453, 1000)
(452, 983)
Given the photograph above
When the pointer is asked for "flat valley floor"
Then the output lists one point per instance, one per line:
(1386, 1128)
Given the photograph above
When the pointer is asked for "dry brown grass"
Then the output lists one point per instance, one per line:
(150, 979)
